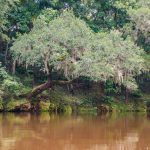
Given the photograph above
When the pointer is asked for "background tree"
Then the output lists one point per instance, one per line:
(5, 7)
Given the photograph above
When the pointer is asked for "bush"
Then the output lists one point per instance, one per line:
(1, 104)
(11, 87)
(17, 105)
(67, 109)
(108, 99)
(137, 94)
(44, 106)
(3, 73)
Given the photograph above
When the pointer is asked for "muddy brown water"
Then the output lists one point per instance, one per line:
(50, 132)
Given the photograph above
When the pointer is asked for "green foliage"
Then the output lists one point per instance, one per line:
(12, 87)
(126, 4)
(86, 102)
(13, 105)
(67, 109)
(58, 44)
(3, 73)
(93, 40)
(109, 92)
(112, 58)
(5, 6)
(143, 3)
(44, 106)
(47, 15)
(109, 87)
(101, 15)
(59, 97)
(9, 86)
(22, 17)
(87, 110)
(1, 105)
(107, 100)
(141, 17)
(137, 94)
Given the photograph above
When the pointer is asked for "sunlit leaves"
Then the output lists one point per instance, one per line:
(112, 57)
(66, 44)
(58, 43)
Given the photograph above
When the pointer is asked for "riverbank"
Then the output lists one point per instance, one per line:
(92, 100)
(25, 106)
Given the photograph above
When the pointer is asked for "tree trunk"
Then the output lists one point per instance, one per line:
(126, 95)
(39, 89)
(14, 67)
(6, 53)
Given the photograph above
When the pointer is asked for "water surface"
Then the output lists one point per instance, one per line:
(51, 132)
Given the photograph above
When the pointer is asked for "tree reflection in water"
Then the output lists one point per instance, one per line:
(50, 132)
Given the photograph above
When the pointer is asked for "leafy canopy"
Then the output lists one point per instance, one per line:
(112, 57)
(65, 43)
(57, 43)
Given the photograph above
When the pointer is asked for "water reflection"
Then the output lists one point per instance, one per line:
(49, 132)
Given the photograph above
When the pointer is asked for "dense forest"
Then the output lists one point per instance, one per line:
(74, 55)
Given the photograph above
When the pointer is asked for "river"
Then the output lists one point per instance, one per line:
(27, 131)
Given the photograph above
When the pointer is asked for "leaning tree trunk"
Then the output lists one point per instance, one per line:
(39, 89)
